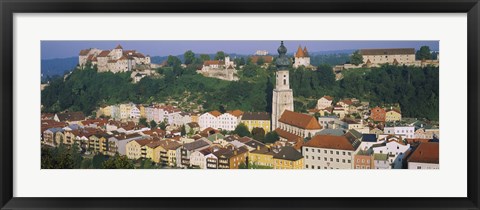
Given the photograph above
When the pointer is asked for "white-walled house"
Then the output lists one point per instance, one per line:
(394, 150)
(324, 102)
(407, 131)
(329, 152)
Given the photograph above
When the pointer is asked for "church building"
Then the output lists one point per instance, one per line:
(282, 94)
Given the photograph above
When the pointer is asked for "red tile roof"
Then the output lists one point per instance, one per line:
(427, 152)
(266, 58)
(215, 113)
(330, 142)
(104, 53)
(300, 120)
(236, 113)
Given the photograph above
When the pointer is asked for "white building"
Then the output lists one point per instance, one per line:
(198, 159)
(329, 152)
(115, 60)
(302, 58)
(324, 102)
(394, 150)
(226, 121)
(391, 56)
(407, 131)
(282, 97)
(261, 52)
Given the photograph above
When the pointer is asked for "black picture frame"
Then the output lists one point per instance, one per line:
(10, 7)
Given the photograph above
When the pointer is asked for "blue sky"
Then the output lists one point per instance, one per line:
(65, 49)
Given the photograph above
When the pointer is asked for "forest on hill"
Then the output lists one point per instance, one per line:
(415, 89)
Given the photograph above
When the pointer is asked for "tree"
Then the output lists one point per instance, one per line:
(356, 58)
(220, 55)
(153, 124)
(189, 57)
(163, 125)
(117, 162)
(143, 121)
(242, 130)
(173, 61)
(260, 61)
(98, 160)
(271, 137)
(204, 57)
(183, 131)
(147, 164)
(424, 53)
(258, 134)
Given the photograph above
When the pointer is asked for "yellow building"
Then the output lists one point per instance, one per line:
(195, 117)
(262, 157)
(137, 149)
(393, 116)
(257, 120)
(288, 158)
(142, 111)
(153, 151)
(125, 110)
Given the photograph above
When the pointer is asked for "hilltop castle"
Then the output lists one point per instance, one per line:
(115, 60)
(302, 58)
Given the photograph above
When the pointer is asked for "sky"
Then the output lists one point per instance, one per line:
(65, 49)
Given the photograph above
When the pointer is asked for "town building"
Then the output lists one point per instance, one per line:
(395, 150)
(324, 102)
(330, 152)
(299, 124)
(220, 69)
(115, 60)
(226, 121)
(393, 115)
(378, 114)
(282, 94)
(302, 58)
(398, 56)
(406, 131)
(257, 120)
(426, 156)
(288, 158)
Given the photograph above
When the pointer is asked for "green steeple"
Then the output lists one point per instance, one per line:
(282, 61)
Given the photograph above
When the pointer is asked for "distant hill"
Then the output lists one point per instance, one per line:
(58, 66)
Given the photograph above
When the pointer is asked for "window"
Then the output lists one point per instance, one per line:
(306, 149)
(284, 82)
(318, 167)
(348, 161)
(325, 159)
(349, 153)
(325, 151)
(306, 156)
(318, 150)
(343, 160)
(419, 167)
(313, 167)
(319, 158)
(337, 152)
(331, 159)
(343, 153)
(306, 166)
(337, 160)
(313, 157)
(363, 161)
(331, 152)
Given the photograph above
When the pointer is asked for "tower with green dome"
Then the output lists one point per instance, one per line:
(282, 94)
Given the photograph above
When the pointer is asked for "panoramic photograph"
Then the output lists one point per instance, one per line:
(240, 104)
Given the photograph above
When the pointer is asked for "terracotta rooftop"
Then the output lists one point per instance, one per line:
(237, 113)
(299, 120)
(331, 142)
(266, 58)
(104, 53)
(217, 62)
(287, 135)
(330, 98)
(215, 113)
(427, 152)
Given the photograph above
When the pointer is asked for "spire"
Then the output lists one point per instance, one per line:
(299, 53)
(119, 47)
(282, 60)
(305, 51)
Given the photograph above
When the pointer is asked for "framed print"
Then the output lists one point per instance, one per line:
(245, 105)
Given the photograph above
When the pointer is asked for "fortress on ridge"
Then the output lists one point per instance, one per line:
(115, 60)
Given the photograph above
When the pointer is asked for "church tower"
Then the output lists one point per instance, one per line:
(282, 94)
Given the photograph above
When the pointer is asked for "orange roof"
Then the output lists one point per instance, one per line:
(330, 142)
(266, 58)
(208, 63)
(330, 98)
(427, 152)
(287, 135)
(236, 113)
(299, 120)
(84, 52)
(305, 51)
(215, 113)
(104, 53)
(300, 52)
